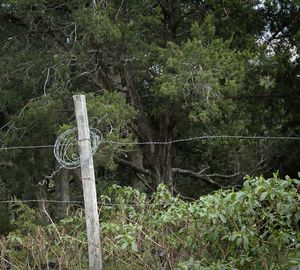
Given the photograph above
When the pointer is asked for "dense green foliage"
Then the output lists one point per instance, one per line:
(254, 228)
(153, 71)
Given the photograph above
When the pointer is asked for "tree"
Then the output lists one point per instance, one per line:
(154, 71)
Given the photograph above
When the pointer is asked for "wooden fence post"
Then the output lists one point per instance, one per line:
(88, 184)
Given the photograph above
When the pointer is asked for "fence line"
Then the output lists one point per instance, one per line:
(29, 201)
(99, 203)
(205, 137)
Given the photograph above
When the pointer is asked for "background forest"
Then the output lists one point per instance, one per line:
(152, 71)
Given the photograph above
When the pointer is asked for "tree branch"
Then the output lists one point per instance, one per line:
(6, 163)
(203, 177)
(222, 175)
(144, 181)
(183, 196)
(133, 166)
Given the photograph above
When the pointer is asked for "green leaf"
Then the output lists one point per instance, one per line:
(240, 195)
(134, 246)
(245, 242)
(239, 241)
(263, 196)
(124, 245)
(297, 216)
(257, 189)
(222, 217)
(247, 184)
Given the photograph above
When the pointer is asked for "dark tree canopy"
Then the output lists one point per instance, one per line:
(153, 71)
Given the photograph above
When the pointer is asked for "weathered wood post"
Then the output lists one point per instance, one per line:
(88, 184)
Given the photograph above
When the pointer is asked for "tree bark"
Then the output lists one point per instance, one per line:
(41, 192)
(62, 190)
(169, 11)
(42, 197)
(157, 156)
(4, 210)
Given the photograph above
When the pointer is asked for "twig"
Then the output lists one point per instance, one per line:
(44, 209)
(46, 81)
(205, 178)
(119, 10)
(15, 267)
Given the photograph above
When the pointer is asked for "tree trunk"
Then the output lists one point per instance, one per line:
(161, 166)
(136, 158)
(41, 188)
(169, 11)
(4, 218)
(62, 190)
(41, 196)
(4, 210)
(158, 156)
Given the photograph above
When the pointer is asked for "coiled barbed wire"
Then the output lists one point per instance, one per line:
(66, 147)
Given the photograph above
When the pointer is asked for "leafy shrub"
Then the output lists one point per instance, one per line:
(256, 227)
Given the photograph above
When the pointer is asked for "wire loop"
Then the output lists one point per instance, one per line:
(66, 147)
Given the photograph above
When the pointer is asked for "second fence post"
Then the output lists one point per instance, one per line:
(88, 184)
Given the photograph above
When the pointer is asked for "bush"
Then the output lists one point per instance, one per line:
(254, 228)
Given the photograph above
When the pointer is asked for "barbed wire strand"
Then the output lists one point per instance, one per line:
(69, 158)
(79, 202)
(30, 201)
(206, 137)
